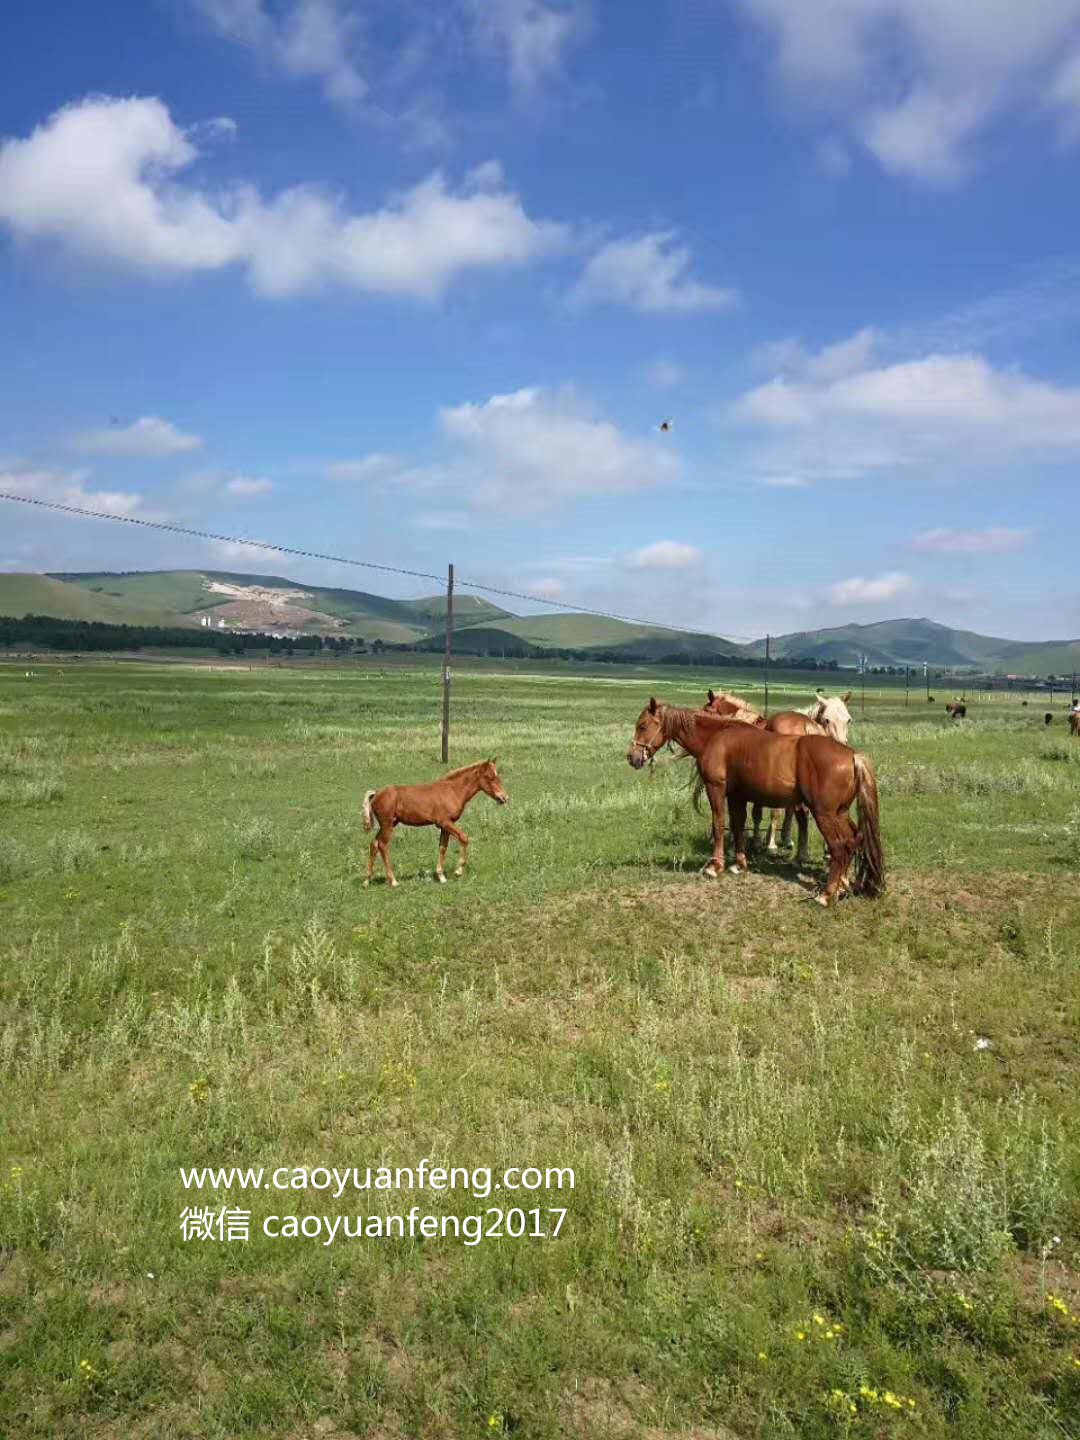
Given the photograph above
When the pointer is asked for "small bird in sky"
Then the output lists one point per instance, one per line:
(665, 424)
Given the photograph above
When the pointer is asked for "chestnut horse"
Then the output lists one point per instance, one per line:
(742, 764)
(827, 716)
(439, 803)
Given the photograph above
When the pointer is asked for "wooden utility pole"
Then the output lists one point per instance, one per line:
(907, 684)
(768, 642)
(446, 665)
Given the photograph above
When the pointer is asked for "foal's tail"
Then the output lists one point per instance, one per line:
(368, 821)
(869, 858)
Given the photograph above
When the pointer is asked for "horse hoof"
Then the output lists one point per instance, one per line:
(822, 900)
(393, 884)
(441, 879)
(459, 872)
(735, 870)
(709, 872)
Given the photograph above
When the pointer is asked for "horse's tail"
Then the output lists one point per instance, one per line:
(368, 821)
(869, 858)
(697, 785)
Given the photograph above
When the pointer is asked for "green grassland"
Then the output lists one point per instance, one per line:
(808, 1200)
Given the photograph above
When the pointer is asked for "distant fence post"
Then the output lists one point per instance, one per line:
(446, 665)
(907, 684)
(768, 643)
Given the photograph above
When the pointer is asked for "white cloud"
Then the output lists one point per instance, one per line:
(950, 68)
(648, 272)
(441, 520)
(664, 555)
(547, 589)
(840, 421)
(148, 436)
(534, 449)
(784, 482)
(100, 178)
(312, 39)
(248, 552)
(994, 539)
(532, 35)
(68, 487)
(664, 374)
(244, 487)
(370, 467)
(858, 590)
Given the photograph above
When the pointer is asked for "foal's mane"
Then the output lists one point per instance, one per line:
(464, 769)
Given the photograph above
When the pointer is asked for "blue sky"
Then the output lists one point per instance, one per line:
(417, 283)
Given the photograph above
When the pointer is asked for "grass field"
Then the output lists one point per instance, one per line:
(825, 1164)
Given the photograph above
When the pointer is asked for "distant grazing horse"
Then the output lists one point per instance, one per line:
(1048, 717)
(930, 700)
(742, 764)
(958, 710)
(439, 803)
(1074, 724)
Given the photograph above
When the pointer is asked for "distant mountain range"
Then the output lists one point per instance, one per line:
(272, 604)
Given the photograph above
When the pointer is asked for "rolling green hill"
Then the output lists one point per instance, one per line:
(274, 603)
(911, 642)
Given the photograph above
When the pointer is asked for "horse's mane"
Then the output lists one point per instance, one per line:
(742, 712)
(464, 769)
(679, 722)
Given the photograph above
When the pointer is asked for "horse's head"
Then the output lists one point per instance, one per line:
(491, 784)
(833, 716)
(648, 734)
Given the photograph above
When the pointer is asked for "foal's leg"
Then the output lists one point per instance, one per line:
(463, 840)
(444, 840)
(785, 833)
(716, 801)
(738, 830)
(757, 812)
(774, 826)
(382, 840)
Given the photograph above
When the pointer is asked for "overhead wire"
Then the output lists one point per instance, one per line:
(361, 564)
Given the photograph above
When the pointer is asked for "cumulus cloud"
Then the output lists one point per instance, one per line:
(103, 180)
(535, 448)
(69, 487)
(843, 414)
(664, 555)
(973, 542)
(245, 487)
(310, 39)
(531, 35)
(650, 273)
(950, 69)
(858, 590)
(148, 436)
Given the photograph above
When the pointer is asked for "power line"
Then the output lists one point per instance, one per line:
(360, 564)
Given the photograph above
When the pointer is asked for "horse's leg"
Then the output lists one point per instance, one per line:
(382, 840)
(785, 833)
(774, 825)
(839, 835)
(802, 820)
(756, 813)
(463, 840)
(373, 850)
(738, 831)
(444, 840)
(716, 795)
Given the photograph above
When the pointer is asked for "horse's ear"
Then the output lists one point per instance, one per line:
(846, 697)
(712, 697)
(652, 705)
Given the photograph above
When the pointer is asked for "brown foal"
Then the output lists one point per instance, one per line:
(741, 764)
(439, 803)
